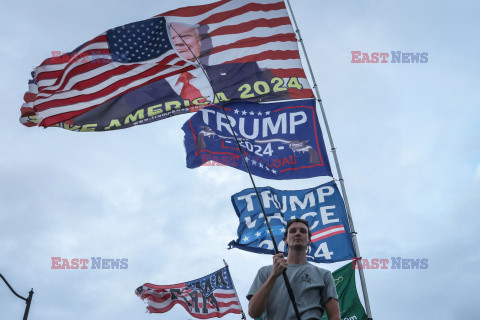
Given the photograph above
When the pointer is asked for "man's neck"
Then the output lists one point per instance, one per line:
(296, 257)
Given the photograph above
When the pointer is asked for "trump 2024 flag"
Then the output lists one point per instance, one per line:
(280, 140)
(170, 64)
(321, 206)
(212, 296)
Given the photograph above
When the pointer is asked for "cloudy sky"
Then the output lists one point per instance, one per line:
(406, 136)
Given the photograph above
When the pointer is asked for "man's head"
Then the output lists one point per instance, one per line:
(297, 234)
(186, 39)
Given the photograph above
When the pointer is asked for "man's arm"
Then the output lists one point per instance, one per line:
(258, 303)
(333, 310)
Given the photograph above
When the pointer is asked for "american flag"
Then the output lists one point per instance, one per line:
(129, 57)
(100, 70)
(212, 296)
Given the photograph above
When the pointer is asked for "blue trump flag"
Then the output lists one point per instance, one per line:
(321, 206)
(281, 140)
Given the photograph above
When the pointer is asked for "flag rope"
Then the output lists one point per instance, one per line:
(240, 149)
(337, 165)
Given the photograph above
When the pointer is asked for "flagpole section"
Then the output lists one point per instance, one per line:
(337, 165)
(234, 289)
(240, 149)
(284, 273)
(27, 307)
(28, 300)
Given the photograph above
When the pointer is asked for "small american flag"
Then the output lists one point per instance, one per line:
(125, 59)
(212, 296)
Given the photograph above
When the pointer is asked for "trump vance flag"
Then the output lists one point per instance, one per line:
(281, 140)
(212, 296)
(321, 206)
(146, 71)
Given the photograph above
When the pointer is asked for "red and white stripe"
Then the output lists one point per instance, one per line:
(159, 300)
(327, 232)
(69, 89)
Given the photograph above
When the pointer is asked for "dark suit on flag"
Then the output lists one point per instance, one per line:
(225, 78)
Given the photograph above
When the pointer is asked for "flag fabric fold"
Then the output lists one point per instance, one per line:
(321, 206)
(349, 303)
(280, 140)
(129, 75)
(211, 296)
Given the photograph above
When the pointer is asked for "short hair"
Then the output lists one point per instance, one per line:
(190, 26)
(292, 221)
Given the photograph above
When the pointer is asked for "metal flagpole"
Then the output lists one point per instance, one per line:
(28, 300)
(240, 149)
(284, 273)
(243, 314)
(337, 165)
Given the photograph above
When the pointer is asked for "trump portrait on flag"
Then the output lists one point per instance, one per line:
(194, 45)
(170, 64)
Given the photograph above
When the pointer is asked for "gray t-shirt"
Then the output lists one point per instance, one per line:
(312, 287)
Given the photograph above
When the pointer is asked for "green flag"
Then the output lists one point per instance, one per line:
(350, 306)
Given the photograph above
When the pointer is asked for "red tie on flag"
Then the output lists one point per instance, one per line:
(189, 91)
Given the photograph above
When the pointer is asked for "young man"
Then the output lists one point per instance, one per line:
(313, 287)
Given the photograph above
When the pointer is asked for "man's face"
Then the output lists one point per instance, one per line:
(184, 36)
(297, 236)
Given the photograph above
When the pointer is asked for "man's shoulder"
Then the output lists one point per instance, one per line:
(266, 269)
